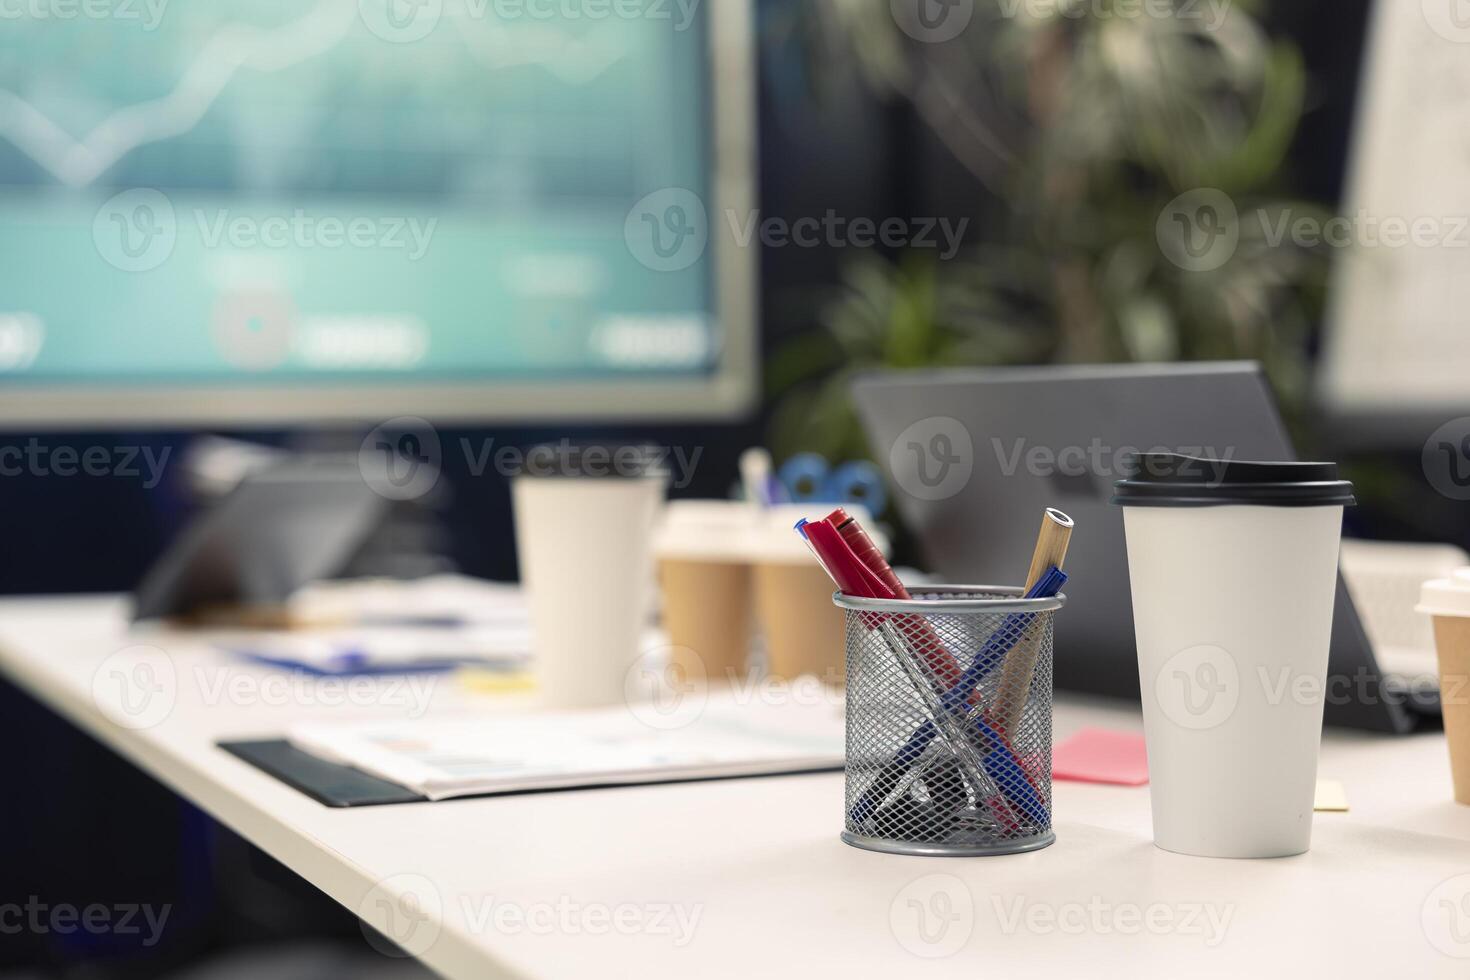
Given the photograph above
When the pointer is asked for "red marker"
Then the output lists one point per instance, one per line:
(867, 552)
(852, 576)
(916, 629)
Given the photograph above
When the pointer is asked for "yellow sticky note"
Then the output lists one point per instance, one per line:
(495, 681)
(1331, 797)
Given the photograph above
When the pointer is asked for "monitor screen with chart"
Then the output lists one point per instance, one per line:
(260, 210)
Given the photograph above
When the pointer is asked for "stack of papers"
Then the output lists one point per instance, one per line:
(477, 755)
(381, 626)
(385, 649)
(438, 600)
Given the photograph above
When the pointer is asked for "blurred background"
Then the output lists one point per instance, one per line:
(671, 222)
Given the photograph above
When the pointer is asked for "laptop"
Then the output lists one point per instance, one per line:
(285, 526)
(976, 454)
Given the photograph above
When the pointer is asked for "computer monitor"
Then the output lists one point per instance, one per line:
(1397, 342)
(259, 212)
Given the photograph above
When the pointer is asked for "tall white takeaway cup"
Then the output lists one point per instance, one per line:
(1234, 576)
(584, 521)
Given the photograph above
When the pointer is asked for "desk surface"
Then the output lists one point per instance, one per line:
(747, 877)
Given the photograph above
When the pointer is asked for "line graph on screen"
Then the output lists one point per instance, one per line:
(238, 53)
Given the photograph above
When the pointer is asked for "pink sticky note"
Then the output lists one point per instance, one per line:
(1096, 755)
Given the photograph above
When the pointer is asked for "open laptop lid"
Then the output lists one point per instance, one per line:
(974, 455)
(292, 524)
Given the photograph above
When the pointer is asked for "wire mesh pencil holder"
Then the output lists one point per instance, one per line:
(949, 706)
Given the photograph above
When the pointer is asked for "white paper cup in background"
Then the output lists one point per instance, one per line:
(1234, 577)
(584, 537)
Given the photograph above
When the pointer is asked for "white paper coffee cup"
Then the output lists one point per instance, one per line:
(585, 545)
(1234, 575)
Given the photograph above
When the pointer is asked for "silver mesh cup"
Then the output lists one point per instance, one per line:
(949, 699)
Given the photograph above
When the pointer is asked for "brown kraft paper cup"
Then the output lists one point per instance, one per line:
(1452, 638)
(803, 630)
(706, 612)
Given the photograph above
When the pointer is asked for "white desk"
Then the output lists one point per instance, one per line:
(756, 867)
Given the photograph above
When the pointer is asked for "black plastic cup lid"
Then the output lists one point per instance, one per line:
(1176, 480)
